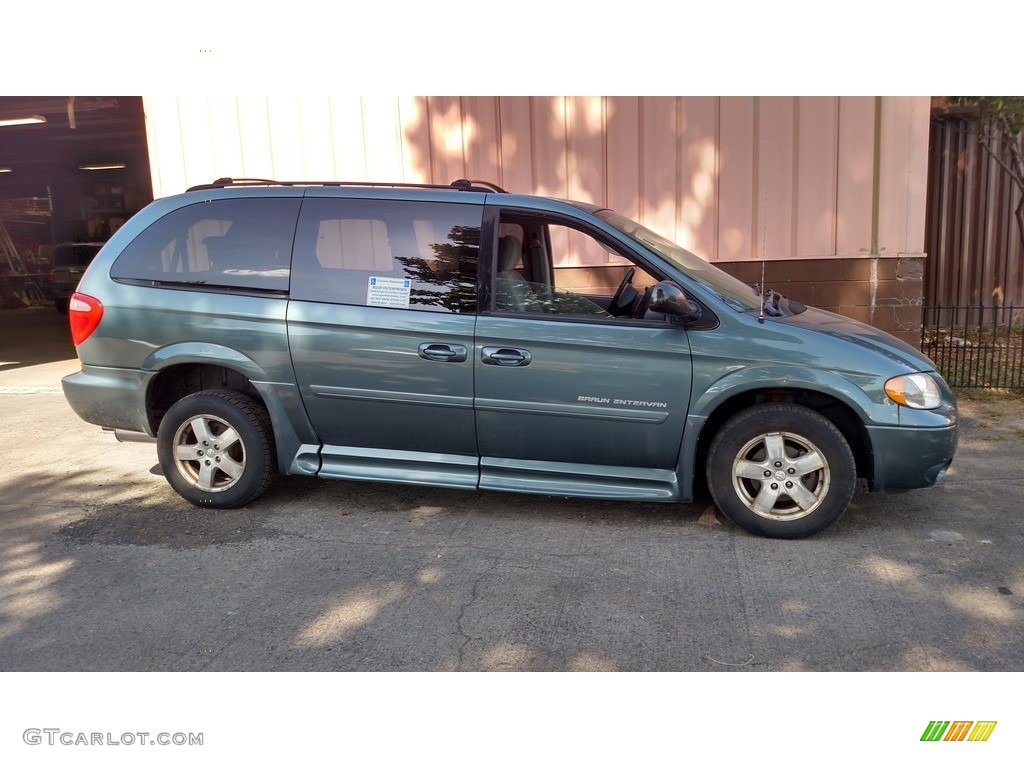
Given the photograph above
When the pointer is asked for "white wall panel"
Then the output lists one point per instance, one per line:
(348, 137)
(284, 119)
(382, 139)
(197, 138)
(315, 136)
(254, 131)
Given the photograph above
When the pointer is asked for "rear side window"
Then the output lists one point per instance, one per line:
(239, 243)
(388, 253)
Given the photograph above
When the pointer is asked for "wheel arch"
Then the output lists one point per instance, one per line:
(844, 416)
(175, 381)
(296, 440)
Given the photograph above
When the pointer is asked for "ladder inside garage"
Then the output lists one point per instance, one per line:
(10, 253)
(25, 287)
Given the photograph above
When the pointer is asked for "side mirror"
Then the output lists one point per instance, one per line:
(669, 299)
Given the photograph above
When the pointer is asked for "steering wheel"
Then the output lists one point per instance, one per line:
(644, 304)
(617, 297)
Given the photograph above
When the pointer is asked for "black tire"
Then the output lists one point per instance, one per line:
(212, 473)
(767, 452)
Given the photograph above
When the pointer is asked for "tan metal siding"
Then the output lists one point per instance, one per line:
(730, 178)
(774, 200)
(817, 140)
(736, 180)
(698, 174)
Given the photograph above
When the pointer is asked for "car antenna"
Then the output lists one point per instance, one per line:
(764, 228)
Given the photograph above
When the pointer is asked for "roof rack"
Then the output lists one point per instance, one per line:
(464, 185)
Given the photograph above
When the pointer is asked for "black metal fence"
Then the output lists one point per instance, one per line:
(976, 346)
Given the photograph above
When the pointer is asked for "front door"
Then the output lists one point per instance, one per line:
(573, 393)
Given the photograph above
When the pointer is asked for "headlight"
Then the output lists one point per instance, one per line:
(915, 390)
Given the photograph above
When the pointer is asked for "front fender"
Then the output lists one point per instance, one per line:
(863, 395)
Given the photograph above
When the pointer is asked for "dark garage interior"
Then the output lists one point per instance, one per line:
(72, 170)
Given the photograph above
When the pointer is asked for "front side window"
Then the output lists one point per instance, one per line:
(388, 253)
(241, 243)
(546, 267)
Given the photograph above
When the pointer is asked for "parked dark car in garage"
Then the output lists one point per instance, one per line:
(69, 263)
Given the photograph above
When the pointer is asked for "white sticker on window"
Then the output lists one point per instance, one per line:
(388, 292)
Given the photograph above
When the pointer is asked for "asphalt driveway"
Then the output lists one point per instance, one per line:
(103, 567)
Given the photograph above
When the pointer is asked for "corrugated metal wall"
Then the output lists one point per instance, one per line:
(731, 178)
(976, 257)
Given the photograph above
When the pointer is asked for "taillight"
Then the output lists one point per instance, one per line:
(85, 314)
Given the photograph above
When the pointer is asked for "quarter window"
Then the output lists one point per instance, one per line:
(237, 243)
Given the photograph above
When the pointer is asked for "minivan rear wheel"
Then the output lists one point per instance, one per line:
(216, 448)
(781, 470)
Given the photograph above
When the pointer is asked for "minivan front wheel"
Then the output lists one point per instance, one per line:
(216, 448)
(781, 470)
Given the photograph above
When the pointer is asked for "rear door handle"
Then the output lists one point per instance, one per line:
(443, 353)
(505, 356)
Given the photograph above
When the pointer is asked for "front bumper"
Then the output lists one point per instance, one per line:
(910, 457)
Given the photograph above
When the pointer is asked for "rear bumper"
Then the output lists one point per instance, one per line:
(911, 457)
(110, 397)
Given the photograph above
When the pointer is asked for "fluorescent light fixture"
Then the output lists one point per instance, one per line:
(101, 166)
(22, 120)
(5, 169)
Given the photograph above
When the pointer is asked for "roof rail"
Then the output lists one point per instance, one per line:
(477, 185)
(465, 185)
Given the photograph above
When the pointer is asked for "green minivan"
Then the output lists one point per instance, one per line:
(434, 335)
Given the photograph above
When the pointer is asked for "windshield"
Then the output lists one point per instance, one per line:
(734, 292)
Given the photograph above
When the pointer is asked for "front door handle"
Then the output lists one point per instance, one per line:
(505, 356)
(443, 353)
